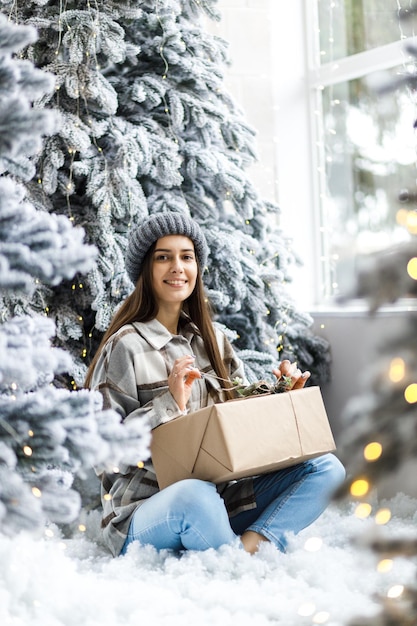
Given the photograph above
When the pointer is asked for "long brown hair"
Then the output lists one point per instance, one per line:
(141, 306)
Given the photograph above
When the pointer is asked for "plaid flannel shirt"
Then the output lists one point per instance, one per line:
(132, 374)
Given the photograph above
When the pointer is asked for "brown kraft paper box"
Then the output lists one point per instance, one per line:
(242, 437)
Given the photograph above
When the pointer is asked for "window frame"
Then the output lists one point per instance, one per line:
(312, 282)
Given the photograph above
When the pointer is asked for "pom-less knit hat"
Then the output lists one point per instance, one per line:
(160, 225)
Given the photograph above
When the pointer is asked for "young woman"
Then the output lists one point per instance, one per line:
(163, 356)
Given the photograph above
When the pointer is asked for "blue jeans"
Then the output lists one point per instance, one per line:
(191, 515)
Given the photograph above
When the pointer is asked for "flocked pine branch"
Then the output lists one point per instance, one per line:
(31, 362)
(35, 245)
(47, 435)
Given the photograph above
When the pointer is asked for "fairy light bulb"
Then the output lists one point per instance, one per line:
(313, 544)
(372, 451)
(412, 268)
(382, 517)
(363, 510)
(27, 450)
(36, 492)
(359, 487)
(395, 591)
(410, 393)
(411, 222)
(384, 566)
(401, 217)
(396, 370)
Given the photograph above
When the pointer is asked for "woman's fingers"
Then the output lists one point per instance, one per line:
(181, 378)
(287, 368)
(299, 384)
(277, 373)
(181, 367)
(293, 373)
(191, 375)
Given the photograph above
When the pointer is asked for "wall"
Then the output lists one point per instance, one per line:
(356, 341)
(246, 26)
(266, 77)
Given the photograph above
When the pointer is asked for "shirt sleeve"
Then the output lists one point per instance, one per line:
(115, 377)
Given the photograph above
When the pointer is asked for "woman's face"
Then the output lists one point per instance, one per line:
(174, 269)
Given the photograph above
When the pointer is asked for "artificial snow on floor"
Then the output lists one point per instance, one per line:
(327, 577)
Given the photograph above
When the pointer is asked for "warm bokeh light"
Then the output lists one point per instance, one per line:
(321, 617)
(363, 510)
(385, 566)
(36, 492)
(396, 370)
(395, 591)
(411, 222)
(410, 394)
(401, 217)
(412, 268)
(382, 516)
(313, 544)
(360, 487)
(372, 451)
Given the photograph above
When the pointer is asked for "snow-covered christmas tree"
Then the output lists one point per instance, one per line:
(147, 126)
(47, 435)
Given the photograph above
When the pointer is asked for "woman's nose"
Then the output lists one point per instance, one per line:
(176, 265)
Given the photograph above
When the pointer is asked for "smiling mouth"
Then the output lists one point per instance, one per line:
(176, 283)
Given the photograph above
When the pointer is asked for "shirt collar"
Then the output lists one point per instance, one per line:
(158, 336)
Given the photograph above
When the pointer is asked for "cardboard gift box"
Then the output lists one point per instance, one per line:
(242, 437)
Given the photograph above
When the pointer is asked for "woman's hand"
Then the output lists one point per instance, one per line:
(181, 378)
(296, 379)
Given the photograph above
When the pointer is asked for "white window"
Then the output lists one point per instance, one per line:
(363, 134)
(345, 152)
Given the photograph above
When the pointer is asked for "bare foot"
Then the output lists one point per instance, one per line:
(252, 540)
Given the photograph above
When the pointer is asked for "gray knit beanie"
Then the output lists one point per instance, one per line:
(160, 225)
